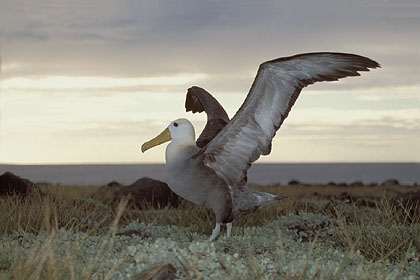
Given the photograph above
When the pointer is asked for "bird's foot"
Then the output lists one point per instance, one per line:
(215, 232)
(228, 229)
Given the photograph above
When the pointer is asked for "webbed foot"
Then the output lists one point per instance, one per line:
(228, 229)
(215, 232)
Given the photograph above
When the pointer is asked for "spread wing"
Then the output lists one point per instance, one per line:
(199, 100)
(275, 89)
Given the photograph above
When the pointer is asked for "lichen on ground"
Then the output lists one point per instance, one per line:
(303, 245)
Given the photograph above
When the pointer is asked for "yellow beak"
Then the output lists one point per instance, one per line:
(165, 136)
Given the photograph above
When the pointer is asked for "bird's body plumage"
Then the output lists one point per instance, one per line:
(213, 171)
(205, 187)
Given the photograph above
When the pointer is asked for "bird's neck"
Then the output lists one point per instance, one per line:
(176, 151)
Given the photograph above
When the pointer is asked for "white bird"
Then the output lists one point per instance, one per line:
(213, 172)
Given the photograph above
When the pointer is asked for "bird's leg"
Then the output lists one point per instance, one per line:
(215, 232)
(228, 229)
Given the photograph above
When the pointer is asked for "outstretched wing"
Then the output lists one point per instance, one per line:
(199, 100)
(275, 89)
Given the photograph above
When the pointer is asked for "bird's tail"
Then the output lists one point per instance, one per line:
(264, 198)
(279, 197)
(246, 200)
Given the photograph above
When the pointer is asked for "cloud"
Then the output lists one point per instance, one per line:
(365, 140)
(110, 128)
(78, 73)
(149, 38)
(96, 140)
(89, 83)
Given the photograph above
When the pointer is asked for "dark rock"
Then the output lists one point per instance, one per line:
(158, 272)
(113, 184)
(150, 193)
(145, 193)
(334, 184)
(294, 183)
(391, 182)
(356, 184)
(11, 184)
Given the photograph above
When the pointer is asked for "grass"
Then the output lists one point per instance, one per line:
(43, 212)
(386, 232)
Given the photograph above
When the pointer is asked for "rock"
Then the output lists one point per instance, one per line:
(356, 184)
(150, 193)
(145, 193)
(294, 183)
(334, 184)
(391, 182)
(12, 184)
(159, 272)
(113, 184)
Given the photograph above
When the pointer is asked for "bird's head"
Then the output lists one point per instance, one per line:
(180, 131)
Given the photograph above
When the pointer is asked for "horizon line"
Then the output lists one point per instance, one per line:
(163, 163)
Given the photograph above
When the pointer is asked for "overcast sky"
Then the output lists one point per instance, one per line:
(90, 81)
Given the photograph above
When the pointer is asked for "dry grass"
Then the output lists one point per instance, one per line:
(69, 191)
(43, 212)
(42, 262)
(385, 232)
(308, 191)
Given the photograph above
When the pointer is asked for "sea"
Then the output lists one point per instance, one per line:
(262, 173)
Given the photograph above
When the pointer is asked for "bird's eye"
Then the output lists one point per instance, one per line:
(175, 124)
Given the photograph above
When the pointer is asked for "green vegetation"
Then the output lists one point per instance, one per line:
(321, 232)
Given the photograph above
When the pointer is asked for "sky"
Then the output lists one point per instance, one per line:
(90, 81)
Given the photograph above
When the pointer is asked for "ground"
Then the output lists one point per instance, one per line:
(321, 232)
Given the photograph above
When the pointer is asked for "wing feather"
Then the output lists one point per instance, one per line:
(199, 100)
(272, 95)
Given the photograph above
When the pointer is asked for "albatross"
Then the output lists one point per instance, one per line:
(212, 171)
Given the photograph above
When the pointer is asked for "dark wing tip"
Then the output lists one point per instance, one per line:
(192, 102)
(362, 61)
(199, 100)
(347, 65)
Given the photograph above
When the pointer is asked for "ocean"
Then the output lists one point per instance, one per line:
(264, 174)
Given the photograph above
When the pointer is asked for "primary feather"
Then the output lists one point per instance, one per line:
(275, 89)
